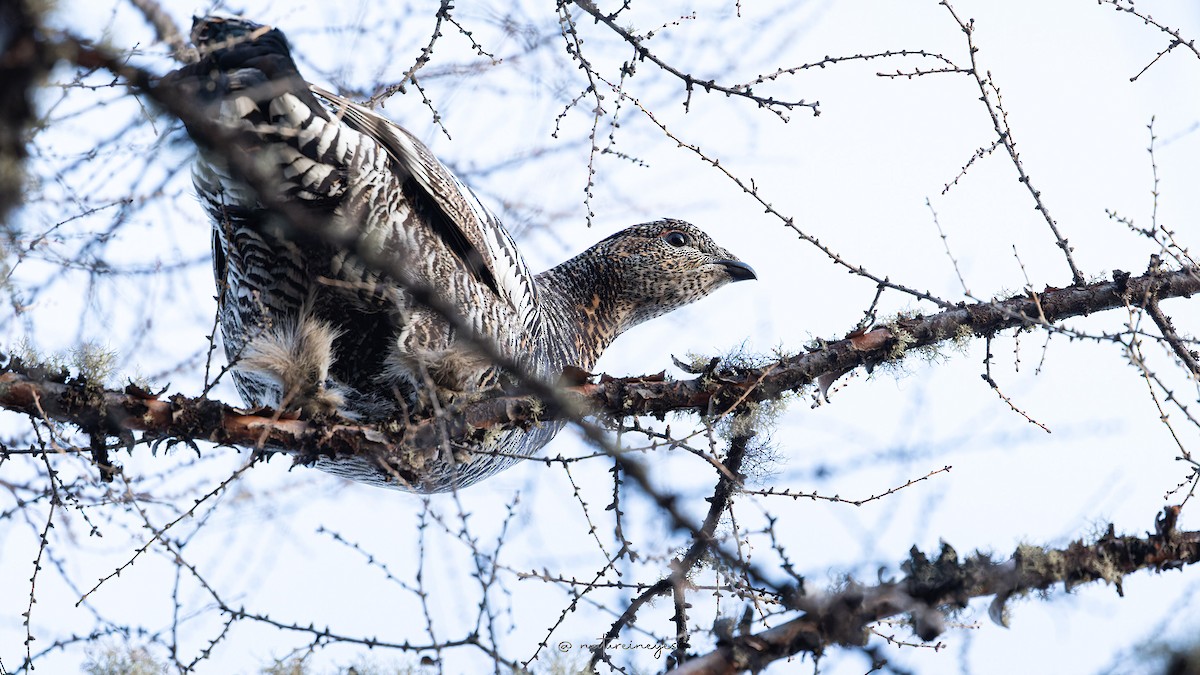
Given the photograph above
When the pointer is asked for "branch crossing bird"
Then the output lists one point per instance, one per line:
(312, 326)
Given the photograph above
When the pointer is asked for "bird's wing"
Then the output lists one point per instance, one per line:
(458, 218)
(395, 195)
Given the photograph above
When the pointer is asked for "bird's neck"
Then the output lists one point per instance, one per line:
(582, 310)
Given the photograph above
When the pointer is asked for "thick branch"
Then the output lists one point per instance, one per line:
(409, 448)
(889, 343)
(405, 450)
(843, 617)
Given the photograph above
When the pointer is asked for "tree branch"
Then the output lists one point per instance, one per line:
(843, 617)
(407, 449)
(690, 82)
(703, 541)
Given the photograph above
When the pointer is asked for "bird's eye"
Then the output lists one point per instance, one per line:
(676, 239)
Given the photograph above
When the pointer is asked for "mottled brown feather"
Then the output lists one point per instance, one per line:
(309, 327)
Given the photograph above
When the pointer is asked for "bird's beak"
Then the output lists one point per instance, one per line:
(738, 270)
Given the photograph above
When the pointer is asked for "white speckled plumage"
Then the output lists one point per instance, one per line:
(310, 327)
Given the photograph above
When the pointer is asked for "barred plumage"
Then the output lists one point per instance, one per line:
(312, 328)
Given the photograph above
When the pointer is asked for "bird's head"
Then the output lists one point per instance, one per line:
(215, 34)
(661, 266)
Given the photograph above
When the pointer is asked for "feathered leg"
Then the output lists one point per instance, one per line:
(296, 357)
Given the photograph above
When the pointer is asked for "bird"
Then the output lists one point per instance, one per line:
(329, 321)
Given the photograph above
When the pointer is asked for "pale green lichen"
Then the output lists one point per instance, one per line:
(1037, 561)
(738, 359)
(122, 660)
(697, 362)
(1040, 564)
(753, 417)
(904, 342)
(29, 355)
(962, 337)
(89, 361)
(906, 347)
(93, 362)
(139, 380)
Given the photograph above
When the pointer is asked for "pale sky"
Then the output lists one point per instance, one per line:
(857, 178)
